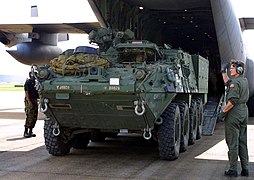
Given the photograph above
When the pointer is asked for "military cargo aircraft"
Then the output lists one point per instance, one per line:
(35, 41)
(205, 27)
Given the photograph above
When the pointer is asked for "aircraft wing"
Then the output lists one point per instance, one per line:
(246, 23)
(50, 28)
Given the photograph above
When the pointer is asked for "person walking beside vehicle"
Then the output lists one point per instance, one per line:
(31, 105)
(235, 113)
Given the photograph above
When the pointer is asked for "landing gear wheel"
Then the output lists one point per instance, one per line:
(185, 128)
(54, 144)
(193, 122)
(200, 118)
(81, 141)
(169, 133)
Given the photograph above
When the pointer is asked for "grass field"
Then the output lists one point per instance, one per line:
(11, 87)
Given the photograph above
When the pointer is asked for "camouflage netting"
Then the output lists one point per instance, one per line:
(80, 62)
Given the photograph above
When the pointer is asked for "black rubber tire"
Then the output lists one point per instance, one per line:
(200, 118)
(169, 133)
(185, 127)
(81, 141)
(54, 144)
(193, 122)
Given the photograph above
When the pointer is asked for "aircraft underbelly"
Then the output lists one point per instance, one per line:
(171, 4)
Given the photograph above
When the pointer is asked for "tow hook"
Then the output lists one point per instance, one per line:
(147, 133)
(45, 105)
(139, 105)
(56, 130)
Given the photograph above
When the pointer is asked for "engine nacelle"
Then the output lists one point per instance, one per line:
(34, 52)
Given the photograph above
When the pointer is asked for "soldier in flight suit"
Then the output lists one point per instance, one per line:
(31, 106)
(236, 115)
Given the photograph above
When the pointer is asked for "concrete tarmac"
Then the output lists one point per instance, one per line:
(124, 157)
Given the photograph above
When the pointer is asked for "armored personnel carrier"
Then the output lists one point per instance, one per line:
(126, 85)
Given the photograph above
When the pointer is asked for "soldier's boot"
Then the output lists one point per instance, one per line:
(31, 134)
(231, 173)
(245, 172)
(26, 134)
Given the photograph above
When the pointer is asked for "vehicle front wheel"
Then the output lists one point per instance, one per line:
(169, 133)
(54, 144)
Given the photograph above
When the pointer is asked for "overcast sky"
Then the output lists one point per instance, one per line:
(78, 11)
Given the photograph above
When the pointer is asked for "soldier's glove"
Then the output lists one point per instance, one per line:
(224, 67)
(221, 116)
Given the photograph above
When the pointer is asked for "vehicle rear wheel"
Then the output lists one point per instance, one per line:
(200, 118)
(185, 128)
(54, 144)
(169, 133)
(193, 122)
(81, 141)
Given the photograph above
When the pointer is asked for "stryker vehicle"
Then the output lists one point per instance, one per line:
(127, 86)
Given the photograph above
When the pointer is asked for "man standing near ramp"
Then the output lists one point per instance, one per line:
(236, 116)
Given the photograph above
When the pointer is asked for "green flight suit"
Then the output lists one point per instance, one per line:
(236, 122)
